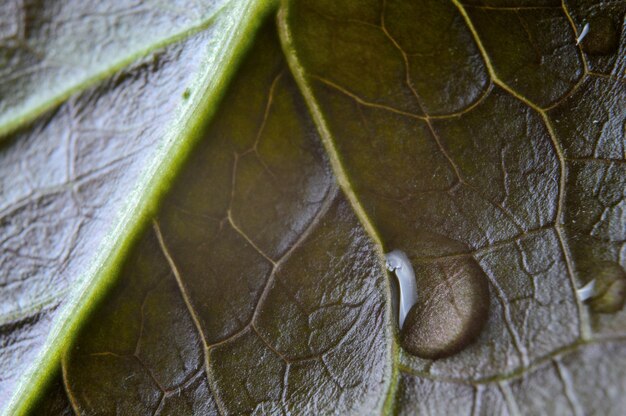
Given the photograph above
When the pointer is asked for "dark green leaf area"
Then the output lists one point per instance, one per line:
(255, 282)
(141, 346)
(371, 54)
(603, 38)
(589, 121)
(530, 48)
(508, 156)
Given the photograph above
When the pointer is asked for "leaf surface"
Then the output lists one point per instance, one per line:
(78, 183)
(485, 139)
(50, 50)
(255, 281)
(481, 136)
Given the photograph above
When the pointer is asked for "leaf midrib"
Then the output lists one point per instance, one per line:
(183, 132)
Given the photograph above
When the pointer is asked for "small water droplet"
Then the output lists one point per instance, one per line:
(452, 310)
(610, 287)
(603, 36)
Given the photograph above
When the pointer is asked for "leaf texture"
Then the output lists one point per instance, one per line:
(484, 138)
(255, 281)
(50, 50)
(78, 182)
(480, 135)
(73, 173)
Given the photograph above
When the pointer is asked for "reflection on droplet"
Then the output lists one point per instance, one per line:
(587, 291)
(603, 36)
(453, 308)
(610, 287)
(583, 33)
(398, 263)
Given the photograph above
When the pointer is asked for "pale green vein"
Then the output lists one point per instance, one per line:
(387, 405)
(190, 121)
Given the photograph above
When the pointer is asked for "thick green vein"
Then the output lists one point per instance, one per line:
(298, 72)
(190, 121)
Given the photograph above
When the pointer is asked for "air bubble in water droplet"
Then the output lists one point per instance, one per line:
(398, 263)
(603, 36)
(583, 33)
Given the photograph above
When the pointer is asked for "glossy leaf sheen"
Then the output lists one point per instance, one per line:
(477, 137)
(50, 49)
(495, 155)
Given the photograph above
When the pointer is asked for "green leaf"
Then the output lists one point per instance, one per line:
(481, 141)
(78, 184)
(254, 281)
(478, 137)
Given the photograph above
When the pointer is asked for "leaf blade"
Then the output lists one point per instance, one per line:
(154, 179)
(374, 139)
(259, 336)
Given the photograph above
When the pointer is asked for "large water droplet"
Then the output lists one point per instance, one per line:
(452, 309)
(603, 36)
(610, 287)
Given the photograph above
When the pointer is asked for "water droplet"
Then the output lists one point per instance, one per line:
(452, 310)
(610, 287)
(603, 36)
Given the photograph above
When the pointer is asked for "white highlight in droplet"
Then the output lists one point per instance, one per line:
(583, 34)
(399, 263)
(587, 291)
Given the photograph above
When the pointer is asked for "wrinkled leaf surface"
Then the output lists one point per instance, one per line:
(479, 137)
